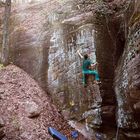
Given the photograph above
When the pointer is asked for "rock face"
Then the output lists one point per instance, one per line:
(21, 99)
(127, 75)
(105, 58)
(120, 76)
(29, 39)
(64, 73)
(119, 58)
(45, 45)
(44, 42)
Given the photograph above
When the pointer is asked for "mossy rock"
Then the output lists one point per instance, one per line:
(1, 66)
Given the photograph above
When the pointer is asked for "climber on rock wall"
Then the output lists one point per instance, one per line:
(88, 68)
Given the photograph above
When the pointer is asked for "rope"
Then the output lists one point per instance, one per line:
(117, 133)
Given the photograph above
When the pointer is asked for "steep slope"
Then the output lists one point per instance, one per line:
(26, 109)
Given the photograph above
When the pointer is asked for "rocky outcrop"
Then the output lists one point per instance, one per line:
(105, 50)
(44, 42)
(118, 57)
(29, 39)
(127, 77)
(45, 46)
(70, 33)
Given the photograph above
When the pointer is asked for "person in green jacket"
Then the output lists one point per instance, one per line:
(85, 68)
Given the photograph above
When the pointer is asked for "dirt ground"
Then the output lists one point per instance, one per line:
(20, 95)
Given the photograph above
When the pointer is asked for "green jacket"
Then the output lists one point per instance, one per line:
(86, 64)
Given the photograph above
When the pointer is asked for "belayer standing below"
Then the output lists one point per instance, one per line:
(86, 68)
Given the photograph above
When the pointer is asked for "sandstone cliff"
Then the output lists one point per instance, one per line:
(44, 39)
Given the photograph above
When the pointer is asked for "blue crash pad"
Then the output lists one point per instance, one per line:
(55, 134)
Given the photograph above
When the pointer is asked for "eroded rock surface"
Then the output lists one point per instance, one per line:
(44, 42)
(127, 79)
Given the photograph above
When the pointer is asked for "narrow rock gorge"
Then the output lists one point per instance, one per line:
(44, 39)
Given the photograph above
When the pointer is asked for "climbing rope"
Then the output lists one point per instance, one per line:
(117, 133)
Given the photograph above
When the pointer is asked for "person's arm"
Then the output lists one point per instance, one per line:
(80, 54)
(94, 64)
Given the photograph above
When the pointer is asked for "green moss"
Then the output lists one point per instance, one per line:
(1, 66)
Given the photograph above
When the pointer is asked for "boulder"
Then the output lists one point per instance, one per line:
(32, 109)
(93, 117)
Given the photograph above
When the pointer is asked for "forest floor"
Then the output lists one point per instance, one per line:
(26, 109)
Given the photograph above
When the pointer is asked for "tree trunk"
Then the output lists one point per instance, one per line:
(5, 42)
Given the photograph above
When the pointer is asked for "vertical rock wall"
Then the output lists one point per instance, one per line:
(64, 73)
(105, 48)
(44, 43)
(119, 66)
(127, 77)
(29, 40)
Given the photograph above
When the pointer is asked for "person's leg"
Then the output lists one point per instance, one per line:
(95, 73)
(83, 79)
